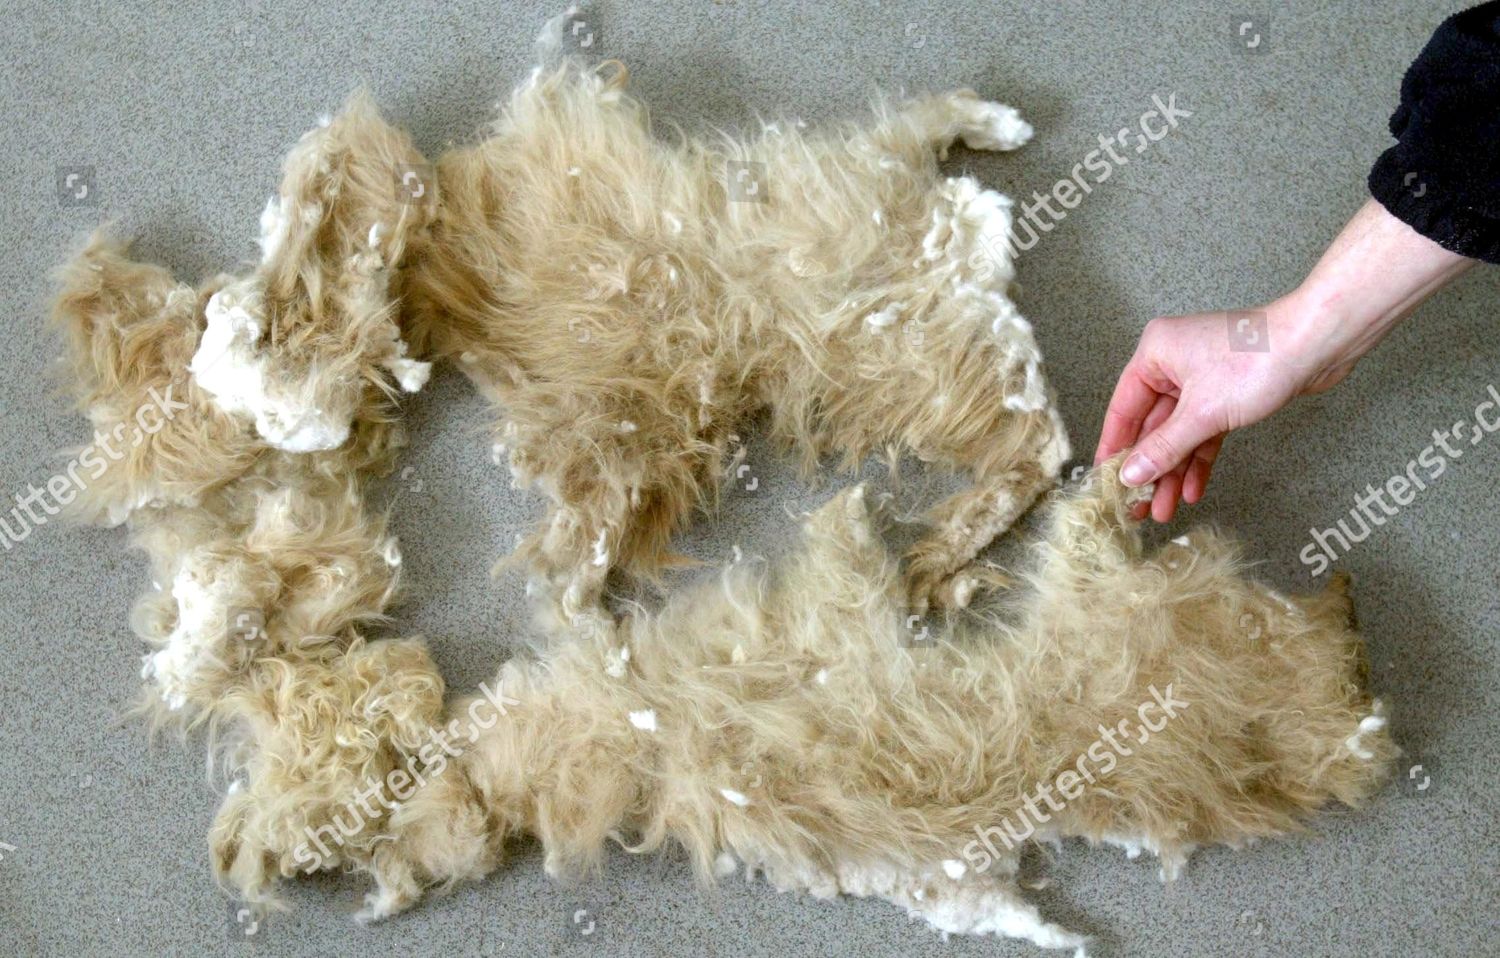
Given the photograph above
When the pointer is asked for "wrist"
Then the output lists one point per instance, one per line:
(1304, 326)
(1374, 273)
(1322, 329)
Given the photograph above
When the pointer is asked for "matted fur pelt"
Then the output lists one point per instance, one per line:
(630, 303)
(783, 720)
(249, 500)
(628, 316)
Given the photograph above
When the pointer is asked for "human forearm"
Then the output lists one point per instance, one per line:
(1371, 277)
(1187, 385)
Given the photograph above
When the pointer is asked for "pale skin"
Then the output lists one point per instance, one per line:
(1185, 388)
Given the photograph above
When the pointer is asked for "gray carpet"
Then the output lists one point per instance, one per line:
(176, 118)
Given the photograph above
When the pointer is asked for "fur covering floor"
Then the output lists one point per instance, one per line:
(776, 720)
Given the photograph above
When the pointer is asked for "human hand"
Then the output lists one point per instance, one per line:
(1186, 387)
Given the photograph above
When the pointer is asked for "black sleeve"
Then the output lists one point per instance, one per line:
(1442, 178)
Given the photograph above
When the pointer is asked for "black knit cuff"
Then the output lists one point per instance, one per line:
(1413, 197)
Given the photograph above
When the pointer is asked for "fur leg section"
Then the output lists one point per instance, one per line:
(933, 123)
(938, 570)
(571, 557)
(1015, 466)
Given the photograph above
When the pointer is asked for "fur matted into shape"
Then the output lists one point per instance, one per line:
(629, 306)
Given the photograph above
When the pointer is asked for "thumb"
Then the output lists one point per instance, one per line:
(1166, 446)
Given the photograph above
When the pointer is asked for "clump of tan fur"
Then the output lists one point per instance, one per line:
(780, 720)
(628, 304)
(269, 567)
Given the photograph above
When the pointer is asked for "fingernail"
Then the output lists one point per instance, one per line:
(1137, 470)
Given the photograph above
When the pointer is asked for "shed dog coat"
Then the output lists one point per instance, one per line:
(629, 305)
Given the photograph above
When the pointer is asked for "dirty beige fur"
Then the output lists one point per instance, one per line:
(629, 303)
(231, 521)
(269, 568)
(783, 721)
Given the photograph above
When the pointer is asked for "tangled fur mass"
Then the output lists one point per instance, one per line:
(249, 497)
(783, 720)
(629, 306)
